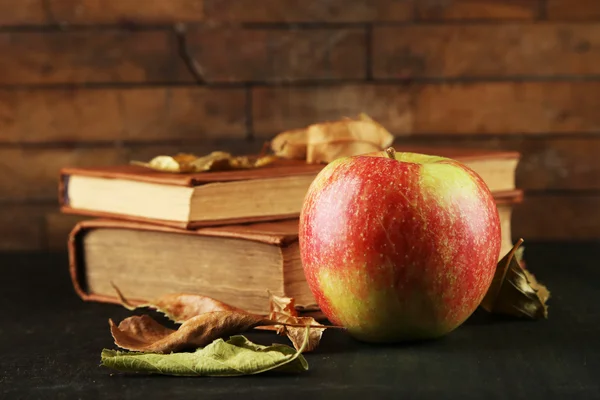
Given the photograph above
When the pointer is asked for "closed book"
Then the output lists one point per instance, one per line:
(192, 200)
(237, 264)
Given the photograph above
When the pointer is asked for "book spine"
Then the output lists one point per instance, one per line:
(77, 267)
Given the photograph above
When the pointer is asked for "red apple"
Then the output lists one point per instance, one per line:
(400, 246)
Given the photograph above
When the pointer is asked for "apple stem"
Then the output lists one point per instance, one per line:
(391, 153)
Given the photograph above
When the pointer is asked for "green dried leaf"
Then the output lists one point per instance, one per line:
(234, 357)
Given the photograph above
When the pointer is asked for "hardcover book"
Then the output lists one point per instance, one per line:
(192, 200)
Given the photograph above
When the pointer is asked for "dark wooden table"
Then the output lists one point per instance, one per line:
(50, 343)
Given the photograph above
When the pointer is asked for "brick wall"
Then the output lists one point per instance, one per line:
(105, 81)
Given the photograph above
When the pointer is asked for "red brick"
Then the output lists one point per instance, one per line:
(291, 11)
(478, 108)
(278, 55)
(33, 173)
(279, 109)
(90, 57)
(557, 217)
(21, 226)
(507, 107)
(547, 163)
(57, 227)
(76, 115)
(125, 11)
(477, 9)
(515, 49)
(573, 9)
(21, 12)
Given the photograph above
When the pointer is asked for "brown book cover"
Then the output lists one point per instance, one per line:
(236, 264)
(213, 198)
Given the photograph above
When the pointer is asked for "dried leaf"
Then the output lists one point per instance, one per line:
(142, 333)
(291, 144)
(329, 151)
(215, 161)
(324, 142)
(235, 357)
(180, 307)
(282, 304)
(294, 333)
(184, 307)
(515, 291)
(347, 137)
(283, 310)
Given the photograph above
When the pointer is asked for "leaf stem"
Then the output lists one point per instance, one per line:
(304, 325)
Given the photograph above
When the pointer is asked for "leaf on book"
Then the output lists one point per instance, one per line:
(234, 357)
(347, 137)
(215, 161)
(179, 307)
(291, 144)
(324, 142)
(515, 291)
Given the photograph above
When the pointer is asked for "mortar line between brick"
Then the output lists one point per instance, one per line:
(249, 116)
(543, 10)
(308, 83)
(369, 52)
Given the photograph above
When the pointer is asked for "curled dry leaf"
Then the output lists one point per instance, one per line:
(142, 333)
(515, 291)
(283, 310)
(324, 142)
(180, 307)
(137, 333)
(235, 357)
(282, 304)
(295, 333)
(346, 137)
(291, 144)
(215, 161)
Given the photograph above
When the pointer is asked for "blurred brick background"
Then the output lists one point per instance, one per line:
(86, 82)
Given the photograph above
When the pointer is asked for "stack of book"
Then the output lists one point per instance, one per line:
(230, 235)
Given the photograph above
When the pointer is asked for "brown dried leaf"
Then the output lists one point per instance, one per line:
(327, 152)
(142, 333)
(283, 310)
(295, 333)
(183, 308)
(291, 144)
(179, 307)
(515, 291)
(215, 161)
(282, 304)
(347, 137)
(324, 142)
